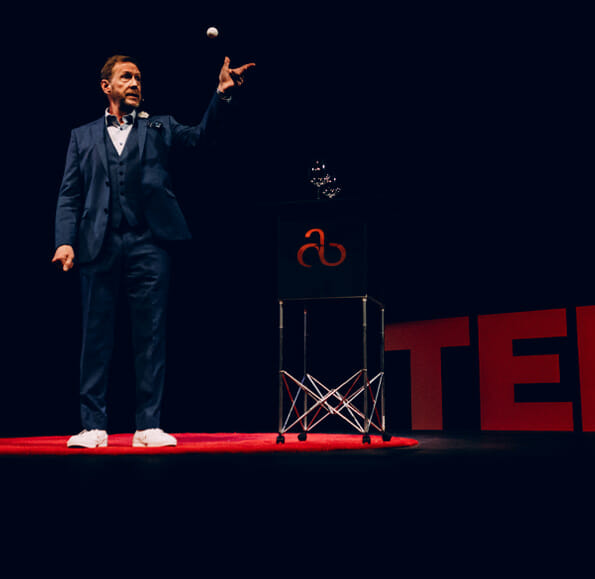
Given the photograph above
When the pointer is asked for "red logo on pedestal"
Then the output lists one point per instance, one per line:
(320, 248)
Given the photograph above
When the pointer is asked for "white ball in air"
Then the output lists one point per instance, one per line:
(212, 32)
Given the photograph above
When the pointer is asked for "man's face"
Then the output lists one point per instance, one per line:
(123, 89)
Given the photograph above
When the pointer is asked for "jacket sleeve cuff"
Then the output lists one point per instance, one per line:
(223, 97)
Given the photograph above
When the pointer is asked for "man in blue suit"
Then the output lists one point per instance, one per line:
(115, 211)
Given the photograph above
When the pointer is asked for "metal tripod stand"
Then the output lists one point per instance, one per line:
(359, 400)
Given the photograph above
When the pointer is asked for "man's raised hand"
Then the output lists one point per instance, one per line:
(232, 77)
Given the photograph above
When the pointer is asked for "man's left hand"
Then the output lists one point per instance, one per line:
(232, 77)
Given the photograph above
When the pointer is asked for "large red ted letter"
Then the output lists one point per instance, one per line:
(425, 341)
(499, 371)
(585, 331)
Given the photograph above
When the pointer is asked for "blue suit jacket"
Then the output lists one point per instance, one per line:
(82, 212)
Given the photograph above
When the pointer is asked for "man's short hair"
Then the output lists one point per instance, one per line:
(108, 68)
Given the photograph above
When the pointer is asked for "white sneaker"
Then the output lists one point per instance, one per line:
(88, 439)
(153, 437)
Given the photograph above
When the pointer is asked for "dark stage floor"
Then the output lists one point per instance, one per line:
(479, 505)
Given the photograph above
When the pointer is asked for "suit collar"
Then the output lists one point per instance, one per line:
(113, 119)
(98, 130)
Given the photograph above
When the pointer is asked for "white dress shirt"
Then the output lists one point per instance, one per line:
(119, 132)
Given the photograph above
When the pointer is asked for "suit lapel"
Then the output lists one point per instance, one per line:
(142, 135)
(98, 136)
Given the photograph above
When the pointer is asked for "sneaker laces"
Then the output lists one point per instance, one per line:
(94, 431)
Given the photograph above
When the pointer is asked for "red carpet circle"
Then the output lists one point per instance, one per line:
(214, 443)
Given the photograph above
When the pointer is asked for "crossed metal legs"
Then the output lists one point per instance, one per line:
(359, 401)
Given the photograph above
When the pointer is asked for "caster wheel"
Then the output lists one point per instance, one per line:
(280, 439)
(386, 437)
(366, 439)
(302, 436)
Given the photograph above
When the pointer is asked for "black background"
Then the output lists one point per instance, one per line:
(463, 129)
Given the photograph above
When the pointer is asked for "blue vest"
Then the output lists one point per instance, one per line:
(124, 174)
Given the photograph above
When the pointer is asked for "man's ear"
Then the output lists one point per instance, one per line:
(106, 86)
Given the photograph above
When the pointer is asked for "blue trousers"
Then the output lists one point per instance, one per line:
(134, 263)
